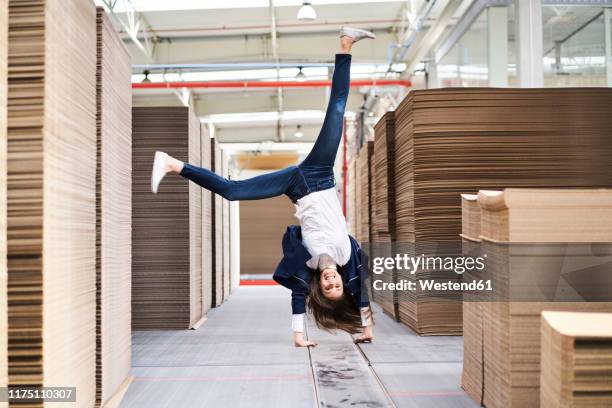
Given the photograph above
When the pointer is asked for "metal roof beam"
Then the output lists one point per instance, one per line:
(134, 24)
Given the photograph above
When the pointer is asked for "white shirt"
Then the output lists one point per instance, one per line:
(325, 236)
(323, 227)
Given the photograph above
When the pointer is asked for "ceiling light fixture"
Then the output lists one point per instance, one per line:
(300, 77)
(146, 79)
(298, 132)
(306, 12)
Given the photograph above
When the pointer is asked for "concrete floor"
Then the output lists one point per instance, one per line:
(243, 356)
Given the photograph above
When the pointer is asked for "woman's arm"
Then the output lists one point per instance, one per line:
(297, 324)
(368, 326)
(299, 341)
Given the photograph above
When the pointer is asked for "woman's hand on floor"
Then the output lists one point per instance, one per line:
(298, 341)
(367, 336)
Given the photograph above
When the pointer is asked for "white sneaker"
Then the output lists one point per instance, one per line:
(159, 170)
(356, 33)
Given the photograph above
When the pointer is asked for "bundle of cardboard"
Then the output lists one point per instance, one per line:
(226, 234)
(207, 248)
(351, 197)
(51, 188)
(113, 212)
(216, 165)
(167, 226)
(541, 255)
(262, 225)
(472, 374)
(383, 205)
(576, 360)
(460, 140)
(364, 194)
(3, 277)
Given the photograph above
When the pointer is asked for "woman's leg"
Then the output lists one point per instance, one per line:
(256, 188)
(325, 148)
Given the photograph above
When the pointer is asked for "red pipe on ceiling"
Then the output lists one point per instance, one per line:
(267, 84)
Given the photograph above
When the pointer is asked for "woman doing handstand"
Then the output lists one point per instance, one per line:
(322, 264)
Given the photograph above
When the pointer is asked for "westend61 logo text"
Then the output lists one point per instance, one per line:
(412, 264)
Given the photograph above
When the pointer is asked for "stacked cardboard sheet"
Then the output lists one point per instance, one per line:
(207, 249)
(262, 225)
(470, 217)
(351, 197)
(576, 360)
(364, 200)
(364, 194)
(3, 277)
(453, 141)
(226, 235)
(554, 265)
(546, 215)
(195, 226)
(234, 244)
(217, 228)
(113, 212)
(52, 195)
(472, 373)
(358, 208)
(166, 242)
(383, 222)
(383, 205)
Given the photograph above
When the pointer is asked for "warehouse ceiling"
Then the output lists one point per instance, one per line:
(224, 41)
(262, 40)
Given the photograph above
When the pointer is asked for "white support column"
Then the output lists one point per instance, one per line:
(497, 46)
(529, 43)
(608, 43)
(558, 61)
(433, 80)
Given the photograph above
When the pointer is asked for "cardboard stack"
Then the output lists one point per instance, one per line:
(234, 244)
(113, 212)
(51, 189)
(357, 207)
(217, 228)
(576, 360)
(167, 226)
(363, 204)
(351, 197)
(460, 140)
(541, 256)
(262, 225)
(3, 277)
(226, 234)
(383, 205)
(546, 215)
(364, 194)
(207, 248)
(472, 374)
(195, 227)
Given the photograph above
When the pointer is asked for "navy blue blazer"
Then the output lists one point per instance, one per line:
(293, 273)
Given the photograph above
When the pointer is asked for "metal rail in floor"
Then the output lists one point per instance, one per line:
(243, 356)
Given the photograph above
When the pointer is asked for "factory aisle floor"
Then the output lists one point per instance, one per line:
(243, 356)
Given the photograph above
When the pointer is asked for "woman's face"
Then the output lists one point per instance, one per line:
(331, 284)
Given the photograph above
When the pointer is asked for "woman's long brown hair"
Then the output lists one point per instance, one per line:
(337, 314)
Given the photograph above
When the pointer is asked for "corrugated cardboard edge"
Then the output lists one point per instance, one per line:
(115, 400)
(199, 323)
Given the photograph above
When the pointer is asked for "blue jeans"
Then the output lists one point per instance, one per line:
(314, 173)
